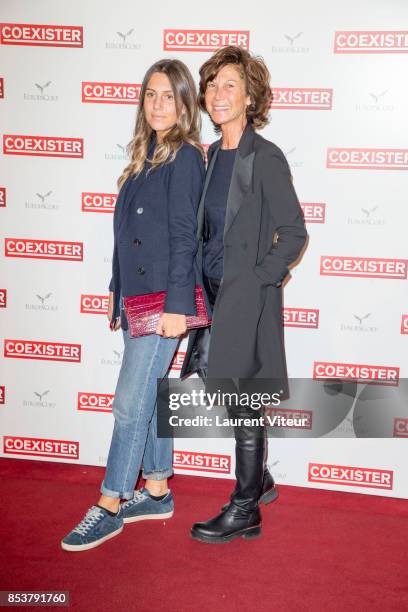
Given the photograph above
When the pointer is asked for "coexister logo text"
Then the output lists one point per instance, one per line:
(41, 35)
(372, 478)
(94, 304)
(37, 349)
(95, 402)
(360, 372)
(203, 40)
(368, 267)
(110, 93)
(314, 212)
(202, 462)
(98, 202)
(40, 447)
(178, 360)
(44, 249)
(380, 41)
(43, 146)
(367, 159)
(302, 98)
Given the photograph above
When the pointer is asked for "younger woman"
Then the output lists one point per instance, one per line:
(154, 249)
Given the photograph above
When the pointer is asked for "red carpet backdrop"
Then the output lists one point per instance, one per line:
(69, 83)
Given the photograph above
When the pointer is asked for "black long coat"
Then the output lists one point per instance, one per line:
(247, 333)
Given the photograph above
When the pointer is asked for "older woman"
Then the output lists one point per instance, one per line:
(253, 229)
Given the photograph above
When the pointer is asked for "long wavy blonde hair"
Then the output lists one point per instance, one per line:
(186, 129)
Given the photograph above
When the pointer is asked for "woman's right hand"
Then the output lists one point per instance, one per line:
(110, 313)
(171, 325)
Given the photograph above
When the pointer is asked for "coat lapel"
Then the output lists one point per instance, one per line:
(241, 176)
(200, 213)
(198, 261)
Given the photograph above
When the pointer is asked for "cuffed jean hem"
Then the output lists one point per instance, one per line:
(158, 474)
(116, 494)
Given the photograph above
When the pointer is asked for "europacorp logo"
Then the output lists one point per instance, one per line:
(368, 215)
(376, 102)
(43, 301)
(41, 91)
(115, 358)
(360, 323)
(293, 158)
(39, 399)
(43, 199)
(293, 42)
(124, 40)
(118, 152)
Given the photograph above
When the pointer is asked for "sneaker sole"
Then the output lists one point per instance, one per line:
(147, 517)
(81, 547)
(247, 534)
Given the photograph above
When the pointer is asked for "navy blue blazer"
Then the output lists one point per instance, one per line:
(154, 226)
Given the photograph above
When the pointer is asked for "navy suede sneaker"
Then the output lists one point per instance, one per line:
(143, 507)
(95, 528)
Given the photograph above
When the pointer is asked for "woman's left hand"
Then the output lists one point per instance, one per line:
(171, 325)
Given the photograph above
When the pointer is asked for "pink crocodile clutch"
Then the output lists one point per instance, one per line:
(143, 312)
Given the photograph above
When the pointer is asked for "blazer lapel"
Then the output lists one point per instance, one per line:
(241, 176)
(133, 185)
(121, 202)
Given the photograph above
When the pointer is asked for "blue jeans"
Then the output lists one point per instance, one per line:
(134, 438)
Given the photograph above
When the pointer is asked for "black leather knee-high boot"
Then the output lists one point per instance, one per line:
(269, 490)
(241, 517)
(249, 455)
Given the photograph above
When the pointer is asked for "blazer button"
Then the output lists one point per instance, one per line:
(141, 270)
(244, 245)
(139, 211)
(137, 242)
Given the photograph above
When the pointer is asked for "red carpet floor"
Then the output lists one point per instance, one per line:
(319, 550)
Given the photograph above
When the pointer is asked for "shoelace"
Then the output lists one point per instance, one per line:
(93, 515)
(137, 497)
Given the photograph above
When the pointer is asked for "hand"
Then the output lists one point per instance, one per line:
(110, 312)
(110, 306)
(171, 325)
